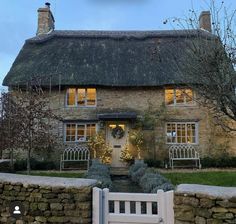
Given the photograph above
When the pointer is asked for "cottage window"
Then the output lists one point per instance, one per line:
(70, 132)
(181, 133)
(179, 96)
(79, 132)
(81, 97)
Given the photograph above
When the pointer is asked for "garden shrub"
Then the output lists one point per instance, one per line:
(219, 162)
(148, 178)
(5, 166)
(154, 163)
(137, 175)
(136, 166)
(165, 187)
(151, 180)
(21, 165)
(101, 173)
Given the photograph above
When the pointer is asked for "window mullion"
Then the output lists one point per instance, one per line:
(76, 97)
(174, 96)
(185, 96)
(76, 132)
(85, 132)
(186, 133)
(85, 100)
(176, 133)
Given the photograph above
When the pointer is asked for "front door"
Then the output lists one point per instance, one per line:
(117, 134)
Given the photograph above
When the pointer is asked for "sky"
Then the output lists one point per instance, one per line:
(18, 18)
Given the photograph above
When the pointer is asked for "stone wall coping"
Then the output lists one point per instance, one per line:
(46, 181)
(213, 191)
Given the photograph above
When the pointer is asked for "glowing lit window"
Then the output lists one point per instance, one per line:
(91, 97)
(81, 97)
(181, 133)
(79, 132)
(179, 96)
(71, 97)
(70, 132)
(90, 131)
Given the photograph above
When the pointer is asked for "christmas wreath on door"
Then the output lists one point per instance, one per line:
(117, 132)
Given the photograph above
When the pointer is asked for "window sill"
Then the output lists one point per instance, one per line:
(182, 105)
(66, 142)
(181, 143)
(79, 107)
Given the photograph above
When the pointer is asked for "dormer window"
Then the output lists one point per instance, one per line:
(179, 96)
(81, 97)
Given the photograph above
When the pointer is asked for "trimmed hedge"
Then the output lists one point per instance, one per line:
(154, 163)
(221, 162)
(21, 165)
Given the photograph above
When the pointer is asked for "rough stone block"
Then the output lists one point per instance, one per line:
(200, 220)
(185, 213)
(43, 206)
(219, 209)
(214, 221)
(56, 206)
(223, 216)
(226, 204)
(203, 212)
(179, 200)
(206, 203)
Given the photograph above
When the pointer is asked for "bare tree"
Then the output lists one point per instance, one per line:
(28, 121)
(209, 61)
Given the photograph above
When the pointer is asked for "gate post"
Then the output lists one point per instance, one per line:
(97, 206)
(169, 198)
(166, 206)
(105, 205)
(161, 206)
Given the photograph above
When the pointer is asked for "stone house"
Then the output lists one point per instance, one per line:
(110, 80)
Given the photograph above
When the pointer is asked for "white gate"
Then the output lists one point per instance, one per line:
(132, 208)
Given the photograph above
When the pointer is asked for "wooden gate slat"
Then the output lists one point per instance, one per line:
(127, 207)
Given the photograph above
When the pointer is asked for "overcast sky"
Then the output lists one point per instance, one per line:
(18, 18)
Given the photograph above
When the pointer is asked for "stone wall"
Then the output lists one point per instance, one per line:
(199, 204)
(46, 199)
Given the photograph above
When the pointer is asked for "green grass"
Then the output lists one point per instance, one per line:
(55, 174)
(227, 179)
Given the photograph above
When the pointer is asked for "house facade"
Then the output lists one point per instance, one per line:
(111, 81)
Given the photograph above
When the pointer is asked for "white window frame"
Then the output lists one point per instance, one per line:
(186, 123)
(76, 98)
(185, 104)
(76, 131)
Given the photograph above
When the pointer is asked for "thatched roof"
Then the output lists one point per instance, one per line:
(102, 58)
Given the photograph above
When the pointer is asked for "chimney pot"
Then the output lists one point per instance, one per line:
(47, 4)
(205, 21)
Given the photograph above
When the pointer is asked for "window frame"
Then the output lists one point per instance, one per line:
(185, 123)
(76, 131)
(76, 98)
(185, 104)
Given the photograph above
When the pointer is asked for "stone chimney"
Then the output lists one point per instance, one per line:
(205, 21)
(45, 20)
